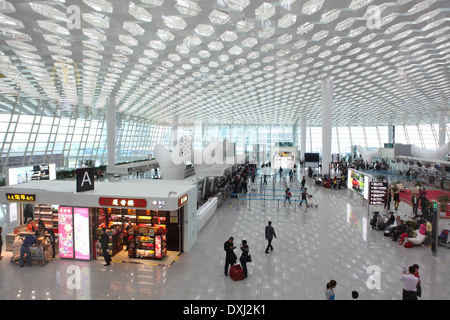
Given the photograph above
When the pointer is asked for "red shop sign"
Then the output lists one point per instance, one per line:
(123, 202)
(182, 200)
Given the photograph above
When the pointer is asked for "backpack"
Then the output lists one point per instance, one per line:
(408, 244)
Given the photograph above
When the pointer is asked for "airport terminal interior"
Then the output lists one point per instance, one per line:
(152, 131)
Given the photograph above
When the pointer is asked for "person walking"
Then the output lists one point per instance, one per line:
(270, 234)
(387, 204)
(244, 257)
(396, 199)
(304, 197)
(230, 256)
(104, 241)
(52, 241)
(287, 196)
(410, 282)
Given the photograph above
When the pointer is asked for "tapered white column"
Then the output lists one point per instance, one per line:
(303, 137)
(442, 127)
(327, 124)
(111, 132)
(174, 134)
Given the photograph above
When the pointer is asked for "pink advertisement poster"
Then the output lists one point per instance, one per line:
(81, 233)
(65, 227)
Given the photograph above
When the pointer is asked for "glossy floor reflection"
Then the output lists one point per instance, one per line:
(312, 247)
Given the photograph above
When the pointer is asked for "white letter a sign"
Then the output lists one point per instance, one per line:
(85, 179)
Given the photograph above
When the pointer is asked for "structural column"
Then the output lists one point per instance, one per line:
(327, 124)
(111, 132)
(442, 127)
(303, 137)
(174, 133)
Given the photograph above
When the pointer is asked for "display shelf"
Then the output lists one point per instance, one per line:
(149, 243)
(48, 214)
(144, 231)
(115, 241)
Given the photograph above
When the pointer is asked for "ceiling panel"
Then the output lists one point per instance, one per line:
(241, 62)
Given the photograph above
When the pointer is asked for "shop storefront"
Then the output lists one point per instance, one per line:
(144, 219)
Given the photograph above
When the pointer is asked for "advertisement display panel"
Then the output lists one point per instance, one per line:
(65, 228)
(81, 233)
(356, 181)
(359, 182)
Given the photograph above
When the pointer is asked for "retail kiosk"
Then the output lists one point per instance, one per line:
(145, 218)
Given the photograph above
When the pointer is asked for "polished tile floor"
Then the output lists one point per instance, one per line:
(312, 247)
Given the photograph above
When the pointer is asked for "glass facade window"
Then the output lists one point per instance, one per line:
(70, 139)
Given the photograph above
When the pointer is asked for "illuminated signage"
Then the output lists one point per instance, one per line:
(21, 197)
(81, 234)
(159, 203)
(123, 202)
(182, 200)
(65, 229)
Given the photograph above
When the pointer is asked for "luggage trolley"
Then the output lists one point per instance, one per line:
(444, 239)
(37, 253)
(311, 202)
(15, 245)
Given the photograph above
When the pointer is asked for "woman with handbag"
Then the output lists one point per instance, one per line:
(245, 256)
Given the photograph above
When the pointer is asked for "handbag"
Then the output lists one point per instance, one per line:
(419, 290)
(249, 258)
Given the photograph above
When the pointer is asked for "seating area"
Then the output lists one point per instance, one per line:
(410, 227)
(418, 240)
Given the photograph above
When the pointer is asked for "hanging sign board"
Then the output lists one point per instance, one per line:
(21, 197)
(85, 179)
(123, 202)
(182, 200)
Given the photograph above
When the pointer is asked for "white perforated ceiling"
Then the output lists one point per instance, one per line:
(232, 61)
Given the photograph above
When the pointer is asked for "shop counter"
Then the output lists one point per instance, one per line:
(206, 212)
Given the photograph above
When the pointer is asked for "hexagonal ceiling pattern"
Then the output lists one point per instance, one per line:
(232, 61)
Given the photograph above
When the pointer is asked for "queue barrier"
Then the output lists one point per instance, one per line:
(276, 198)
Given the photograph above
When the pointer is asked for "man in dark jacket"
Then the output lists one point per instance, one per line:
(104, 241)
(28, 213)
(25, 249)
(398, 230)
(230, 256)
(270, 234)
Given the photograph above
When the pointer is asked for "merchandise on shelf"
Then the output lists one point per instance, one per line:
(149, 242)
(142, 231)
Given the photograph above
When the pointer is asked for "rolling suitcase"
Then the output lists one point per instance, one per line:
(236, 272)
